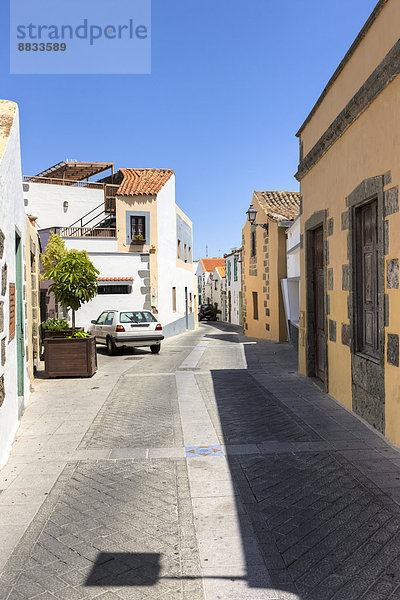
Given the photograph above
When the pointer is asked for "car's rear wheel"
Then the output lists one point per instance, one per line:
(155, 349)
(110, 346)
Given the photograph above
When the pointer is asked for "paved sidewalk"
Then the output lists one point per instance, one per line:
(211, 471)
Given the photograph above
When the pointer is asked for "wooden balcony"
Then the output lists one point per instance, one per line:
(93, 185)
(88, 232)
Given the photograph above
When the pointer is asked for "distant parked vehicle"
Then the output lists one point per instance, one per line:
(207, 313)
(132, 328)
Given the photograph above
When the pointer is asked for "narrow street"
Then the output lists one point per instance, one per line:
(107, 493)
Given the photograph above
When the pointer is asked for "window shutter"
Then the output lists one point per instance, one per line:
(11, 330)
(367, 278)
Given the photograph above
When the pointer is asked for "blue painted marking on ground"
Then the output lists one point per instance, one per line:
(203, 451)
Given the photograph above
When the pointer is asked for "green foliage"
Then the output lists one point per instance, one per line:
(55, 325)
(74, 280)
(139, 236)
(54, 253)
(78, 334)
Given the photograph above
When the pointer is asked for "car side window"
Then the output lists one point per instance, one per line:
(110, 319)
(102, 318)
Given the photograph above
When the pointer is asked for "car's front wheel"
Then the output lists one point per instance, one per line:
(110, 346)
(155, 349)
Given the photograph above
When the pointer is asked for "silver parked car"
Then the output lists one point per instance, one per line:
(133, 328)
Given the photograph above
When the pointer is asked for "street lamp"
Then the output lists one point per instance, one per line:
(252, 214)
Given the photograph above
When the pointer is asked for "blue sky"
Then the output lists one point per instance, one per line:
(231, 83)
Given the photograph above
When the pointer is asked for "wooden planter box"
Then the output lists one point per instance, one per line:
(76, 357)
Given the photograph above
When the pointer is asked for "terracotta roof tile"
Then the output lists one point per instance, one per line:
(221, 271)
(115, 279)
(279, 206)
(148, 182)
(209, 264)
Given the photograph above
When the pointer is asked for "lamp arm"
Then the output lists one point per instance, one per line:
(263, 225)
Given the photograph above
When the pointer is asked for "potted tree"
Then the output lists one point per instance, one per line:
(54, 253)
(74, 282)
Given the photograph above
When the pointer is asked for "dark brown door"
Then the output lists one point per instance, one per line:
(319, 303)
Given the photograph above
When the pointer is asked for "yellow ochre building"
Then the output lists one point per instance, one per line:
(349, 173)
(264, 263)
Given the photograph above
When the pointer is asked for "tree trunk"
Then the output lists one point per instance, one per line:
(73, 320)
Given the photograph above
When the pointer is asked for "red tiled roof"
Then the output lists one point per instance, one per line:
(209, 264)
(147, 182)
(221, 271)
(280, 206)
(115, 279)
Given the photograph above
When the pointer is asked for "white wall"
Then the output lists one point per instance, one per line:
(218, 294)
(107, 245)
(235, 287)
(169, 274)
(12, 215)
(291, 285)
(293, 250)
(112, 264)
(46, 202)
(205, 284)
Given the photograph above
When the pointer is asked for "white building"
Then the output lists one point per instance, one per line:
(233, 274)
(204, 273)
(291, 285)
(14, 374)
(136, 236)
(218, 291)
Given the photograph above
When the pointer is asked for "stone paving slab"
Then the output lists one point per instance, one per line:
(316, 522)
(303, 504)
(140, 415)
(109, 526)
(242, 412)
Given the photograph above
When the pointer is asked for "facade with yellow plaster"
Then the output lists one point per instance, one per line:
(349, 173)
(264, 264)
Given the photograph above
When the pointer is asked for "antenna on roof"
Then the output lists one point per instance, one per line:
(206, 251)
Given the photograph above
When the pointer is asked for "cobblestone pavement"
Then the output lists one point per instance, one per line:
(304, 504)
(138, 414)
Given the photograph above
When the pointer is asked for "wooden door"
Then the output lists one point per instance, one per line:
(229, 306)
(319, 303)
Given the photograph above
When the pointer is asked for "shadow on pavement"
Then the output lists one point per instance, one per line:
(125, 569)
(322, 530)
(129, 569)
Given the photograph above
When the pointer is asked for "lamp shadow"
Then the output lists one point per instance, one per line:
(130, 569)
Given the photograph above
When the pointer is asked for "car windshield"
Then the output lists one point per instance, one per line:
(137, 317)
